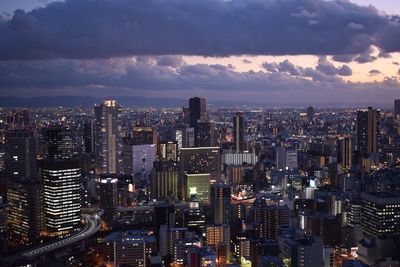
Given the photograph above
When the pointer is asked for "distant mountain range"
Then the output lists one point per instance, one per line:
(135, 101)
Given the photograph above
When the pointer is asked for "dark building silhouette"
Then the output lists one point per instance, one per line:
(238, 131)
(197, 110)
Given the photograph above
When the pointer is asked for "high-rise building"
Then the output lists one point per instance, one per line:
(21, 150)
(310, 114)
(107, 137)
(25, 214)
(238, 131)
(144, 135)
(345, 152)
(397, 107)
(198, 186)
(200, 160)
(164, 180)
(197, 110)
(132, 248)
(269, 220)
(143, 157)
(367, 130)
(59, 143)
(62, 196)
(108, 199)
(220, 203)
(205, 134)
(218, 236)
(286, 158)
(303, 252)
(380, 214)
(168, 151)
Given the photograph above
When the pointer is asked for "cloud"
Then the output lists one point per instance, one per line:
(149, 76)
(374, 72)
(344, 58)
(84, 29)
(345, 71)
(325, 66)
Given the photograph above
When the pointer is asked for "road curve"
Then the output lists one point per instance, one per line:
(92, 225)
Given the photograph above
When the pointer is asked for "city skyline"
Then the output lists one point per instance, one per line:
(344, 52)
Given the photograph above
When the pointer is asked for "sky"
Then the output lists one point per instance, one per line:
(263, 51)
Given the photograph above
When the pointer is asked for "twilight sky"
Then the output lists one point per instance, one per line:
(272, 51)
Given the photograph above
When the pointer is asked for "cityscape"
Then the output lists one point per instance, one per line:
(200, 186)
(200, 133)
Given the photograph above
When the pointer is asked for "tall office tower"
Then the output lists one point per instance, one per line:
(196, 216)
(286, 158)
(185, 115)
(144, 135)
(220, 203)
(205, 134)
(21, 149)
(304, 252)
(380, 214)
(168, 151)
(197, 110)
(163, 214)
(269, 220)
(59, 143)
(397, 107)
(88, 136)
(345, 153)
(185, 137)
(108, 199)
(107, 137)
(133, 248)
(197, 186)
(218, 236)
(310, 114)
(62, 196)
(367, 130)
(238, 131)
(199, 160)
(25, 215)
(327, 226)
(143, 157)
(164, 180)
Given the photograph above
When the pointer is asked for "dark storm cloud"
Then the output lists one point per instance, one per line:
(84, 29)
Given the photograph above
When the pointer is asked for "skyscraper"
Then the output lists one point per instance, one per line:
(199, 160)
(25, 214)
(164, 180)
(310, 114)
(108, 199)
(344, 152)
(220, 203)
(62, 196)
(380, 214)
(238, 131)
(107, 137)
(21, 149)
(197, 110)
(397, 107)
(59, 143)
(218, 236)
(205, 134)
(269, 219)
(367, 130)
